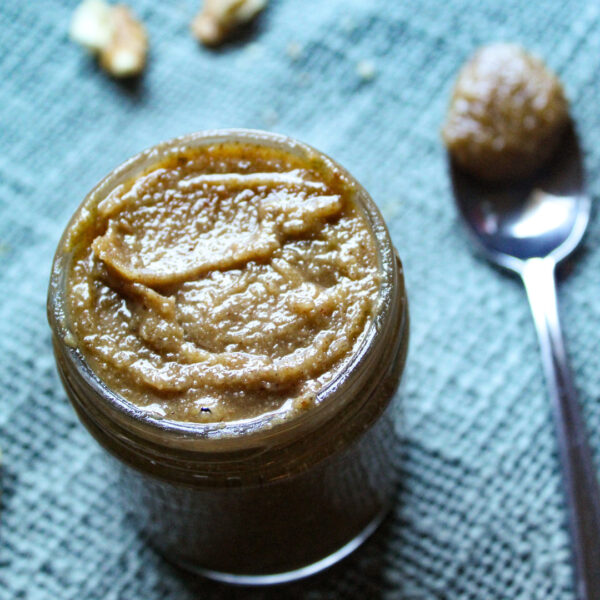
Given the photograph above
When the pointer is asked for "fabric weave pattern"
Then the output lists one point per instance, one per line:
(480, 513)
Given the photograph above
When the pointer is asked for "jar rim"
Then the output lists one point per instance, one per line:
(236, 433)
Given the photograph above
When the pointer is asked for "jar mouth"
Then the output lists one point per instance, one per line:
(328, 400)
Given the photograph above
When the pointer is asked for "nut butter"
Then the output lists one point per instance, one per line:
(230, 323)
(506, 114)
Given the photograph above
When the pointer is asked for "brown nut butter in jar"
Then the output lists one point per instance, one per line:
(230, 323)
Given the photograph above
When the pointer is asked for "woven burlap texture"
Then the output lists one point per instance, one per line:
(480, 511)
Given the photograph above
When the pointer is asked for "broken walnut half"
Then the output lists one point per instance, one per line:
(219, 18)
(114, 34)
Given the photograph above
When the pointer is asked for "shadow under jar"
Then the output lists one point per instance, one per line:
(269, 497)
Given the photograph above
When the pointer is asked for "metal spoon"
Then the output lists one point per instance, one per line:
(528, 228)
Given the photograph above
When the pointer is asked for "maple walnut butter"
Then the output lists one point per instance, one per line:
(507, 114)
(223, 283)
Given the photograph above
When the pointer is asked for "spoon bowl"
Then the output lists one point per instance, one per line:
(544, 216)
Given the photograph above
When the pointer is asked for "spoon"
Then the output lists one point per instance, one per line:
(528, 228)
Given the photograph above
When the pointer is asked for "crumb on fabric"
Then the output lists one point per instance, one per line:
(366, 70)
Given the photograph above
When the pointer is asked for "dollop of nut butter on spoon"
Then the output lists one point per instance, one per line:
(507, 118)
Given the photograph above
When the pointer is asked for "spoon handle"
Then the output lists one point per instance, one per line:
(579, 474)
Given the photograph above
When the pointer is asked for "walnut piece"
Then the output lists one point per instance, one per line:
(125, 55)
(219, 18)
(91, 25)
(114, 34)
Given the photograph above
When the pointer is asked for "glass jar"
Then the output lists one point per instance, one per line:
(255, 501)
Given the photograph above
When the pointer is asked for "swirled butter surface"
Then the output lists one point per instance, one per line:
(223, 282)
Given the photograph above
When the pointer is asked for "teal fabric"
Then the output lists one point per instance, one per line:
(480, 511)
